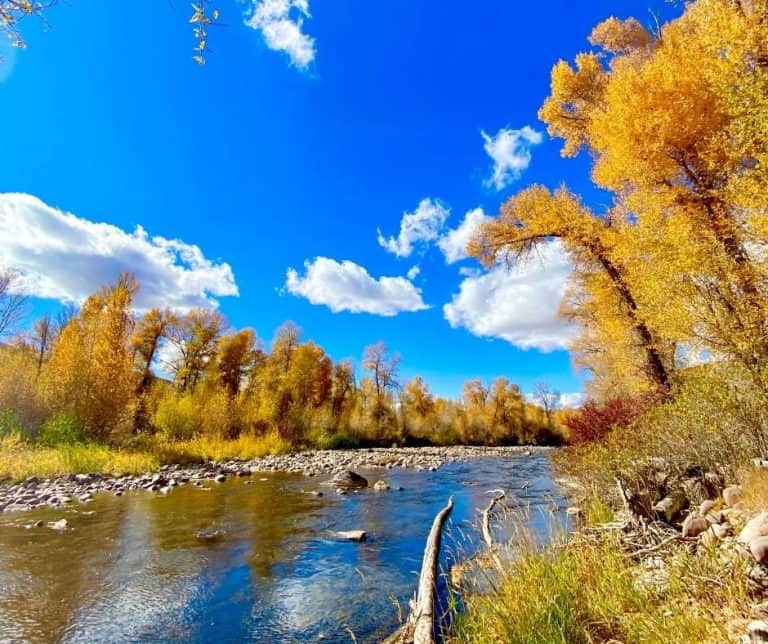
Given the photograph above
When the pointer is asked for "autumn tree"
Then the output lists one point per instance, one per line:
(150, 331)
(235, 356)
(675, 123)
(382, 367)
(90, 372)
(13, 302)
(193, 338)
(536, 216)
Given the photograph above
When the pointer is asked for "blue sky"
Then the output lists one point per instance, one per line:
(301, 137)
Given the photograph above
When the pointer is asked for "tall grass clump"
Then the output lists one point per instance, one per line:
(590, 591)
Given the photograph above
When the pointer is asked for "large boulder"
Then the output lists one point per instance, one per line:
(757, 526)
(349, 480)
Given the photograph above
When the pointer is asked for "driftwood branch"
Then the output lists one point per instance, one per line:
(487, 534)
(419, 628)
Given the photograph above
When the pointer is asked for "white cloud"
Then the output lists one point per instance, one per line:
(423, 225)
(454, 242)
(511, 153)
(280, 23)
(346, 286)
(518, 305)
(7, 57)
(65, 257)
(570, 399)
(413, 272)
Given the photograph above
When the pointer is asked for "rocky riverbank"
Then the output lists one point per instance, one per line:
(37, 492)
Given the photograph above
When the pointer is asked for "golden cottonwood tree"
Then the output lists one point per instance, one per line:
(90, 372)
(676, 124)
(537, 216)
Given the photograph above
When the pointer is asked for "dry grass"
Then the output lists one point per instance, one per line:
(20, 459)
(587, 592)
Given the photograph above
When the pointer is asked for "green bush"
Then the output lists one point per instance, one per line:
(10, 423)
(61, 428)
(340, 440)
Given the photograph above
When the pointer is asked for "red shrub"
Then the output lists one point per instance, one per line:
(593, 420)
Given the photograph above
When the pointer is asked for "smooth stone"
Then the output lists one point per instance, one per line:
(732, 495)
(381, 486)
(757, 631)
(349, 480)
(757, 526)
(694, 525)
(61, 524)
(759, 549)
(352, 535)
(705, 507)
(220, 478)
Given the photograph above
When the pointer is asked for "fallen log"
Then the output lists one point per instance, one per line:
(419, 628)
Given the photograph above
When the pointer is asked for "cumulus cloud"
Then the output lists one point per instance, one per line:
(518, 305)
(280, 23)
(413, 272)
(64, 257)
(454, 242)
(511, 153)
(346, 286)
(421, 226)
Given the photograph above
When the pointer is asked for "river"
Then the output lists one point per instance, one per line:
(131, 569)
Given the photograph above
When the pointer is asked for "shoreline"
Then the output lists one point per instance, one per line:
(55, 492)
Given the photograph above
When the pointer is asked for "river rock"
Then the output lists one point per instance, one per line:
(381, 486)
(705, 507)
(694, 525)
(349, 480)
(61, 524)
(759, 549)
(671, 505)
(210, 535)
(352, 535)
(757, 526)
(732, 495)
(757, 631)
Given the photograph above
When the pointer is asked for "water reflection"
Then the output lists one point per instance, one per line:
(131, 569)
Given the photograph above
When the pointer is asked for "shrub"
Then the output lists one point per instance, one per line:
(593, 420)
(61, 428)
(339, 440)
(177, 417)
(10, 423)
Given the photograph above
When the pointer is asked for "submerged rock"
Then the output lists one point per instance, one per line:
(61, 524)
(381, 486)
(210, 535)
(349, 480)
(352, 535)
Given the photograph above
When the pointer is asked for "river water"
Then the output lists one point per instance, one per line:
(131, 569)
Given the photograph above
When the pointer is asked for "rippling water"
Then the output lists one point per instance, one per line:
(130, 569)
